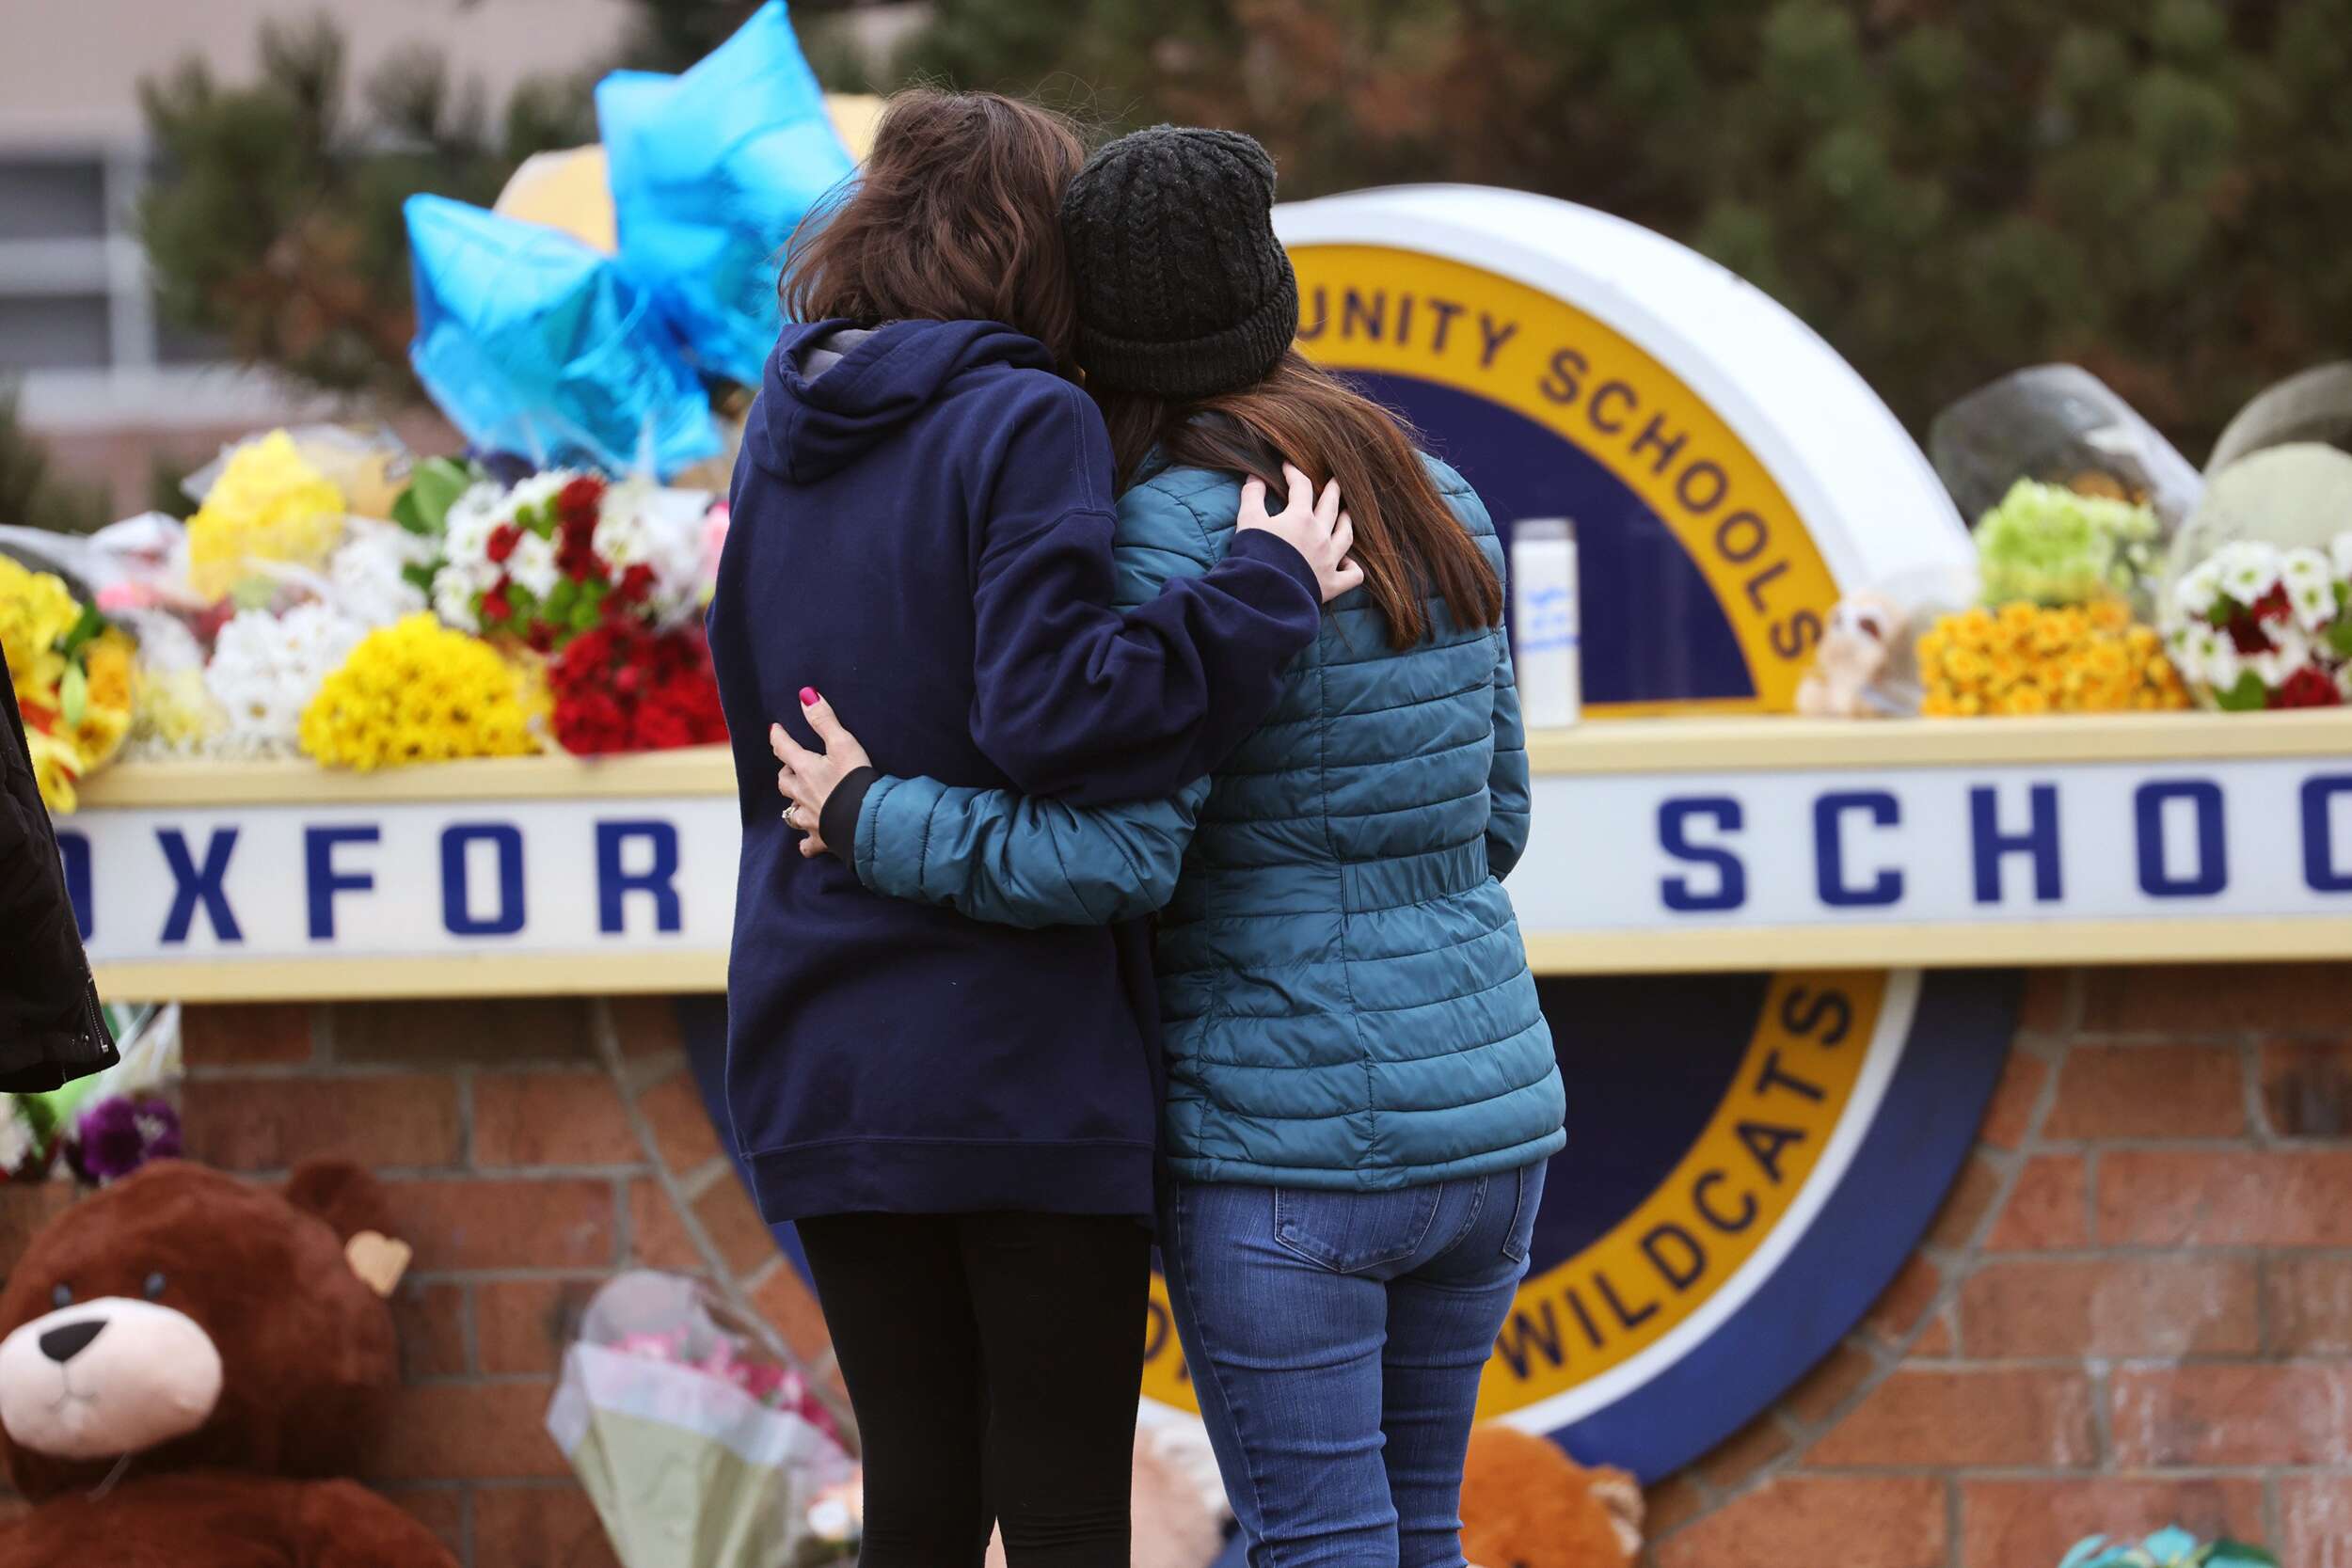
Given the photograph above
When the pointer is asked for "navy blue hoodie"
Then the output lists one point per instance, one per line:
(922, 532)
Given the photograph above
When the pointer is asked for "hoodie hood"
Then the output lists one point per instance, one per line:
(867, 385)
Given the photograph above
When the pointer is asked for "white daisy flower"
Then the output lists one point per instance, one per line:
(532, 565)
(2197, 593)
(2209, 656)
(2340, 556)
(2249, 569)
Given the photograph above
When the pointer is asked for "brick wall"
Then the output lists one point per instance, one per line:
(2135, 1308)
(530, 1148)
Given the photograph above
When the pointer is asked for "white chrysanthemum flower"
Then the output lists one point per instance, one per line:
(2340, 556)
(367, 573)
(2314, 602)
(532, 565)
(2206, 654)
(536, 491)
(2249, 569)
(266, 668)
(2198, 592)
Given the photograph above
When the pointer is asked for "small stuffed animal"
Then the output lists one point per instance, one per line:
(188, 1360)
(1526, 1504)
(1854, 649)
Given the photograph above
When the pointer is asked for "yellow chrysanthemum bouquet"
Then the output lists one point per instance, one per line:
(2056, 633)
(2028, 659)
(73, 675)
(418, 691)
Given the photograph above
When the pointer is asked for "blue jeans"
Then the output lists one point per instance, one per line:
(1335, 1340)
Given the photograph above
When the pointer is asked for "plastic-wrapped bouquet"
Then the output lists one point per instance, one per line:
(2048, 545)
(266, 502)
(2256, 626)
(696, 1433)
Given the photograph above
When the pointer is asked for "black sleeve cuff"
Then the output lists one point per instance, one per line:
(836, 824)
(1257, 544)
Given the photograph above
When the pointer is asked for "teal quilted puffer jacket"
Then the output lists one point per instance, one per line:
(1345, 997)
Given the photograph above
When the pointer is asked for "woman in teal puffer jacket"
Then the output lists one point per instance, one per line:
(1362, 1091)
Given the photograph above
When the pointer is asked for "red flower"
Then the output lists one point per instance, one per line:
(621, 688)
(503, 539)
(2307, 688)
(495, 605)
(2247, 634)
(636, 582)
(2275, 604)
(579, 501)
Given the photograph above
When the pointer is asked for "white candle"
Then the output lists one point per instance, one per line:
(1544, 622)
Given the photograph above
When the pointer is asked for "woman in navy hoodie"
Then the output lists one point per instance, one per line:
(961, 1116)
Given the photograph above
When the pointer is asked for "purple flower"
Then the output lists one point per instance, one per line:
(116, 1136)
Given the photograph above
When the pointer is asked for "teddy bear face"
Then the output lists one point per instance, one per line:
(189, 1318)
(98, 1379)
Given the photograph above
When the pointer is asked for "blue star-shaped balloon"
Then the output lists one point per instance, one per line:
(534, 344)
(711, 170)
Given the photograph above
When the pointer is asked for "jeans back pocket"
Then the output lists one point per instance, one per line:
(1522, 1236)
(1350, 1232)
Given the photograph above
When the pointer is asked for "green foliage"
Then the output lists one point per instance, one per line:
(2156, 189)
(32, 494)
(277, 223)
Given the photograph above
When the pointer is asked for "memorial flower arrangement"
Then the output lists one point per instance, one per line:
(2255, 627)
(2027, 659)
(416, 691)
(73, 675)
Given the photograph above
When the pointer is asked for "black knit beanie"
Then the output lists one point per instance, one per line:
(1184, 292)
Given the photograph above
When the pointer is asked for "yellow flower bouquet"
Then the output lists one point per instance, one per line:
(269, 503)
(2027, 659)
(418, 691)
(73, 675)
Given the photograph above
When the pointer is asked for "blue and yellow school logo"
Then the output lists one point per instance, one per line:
(1751, 1157)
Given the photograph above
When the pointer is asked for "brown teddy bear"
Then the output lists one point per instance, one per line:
(1526, 1504)
(187, 1358)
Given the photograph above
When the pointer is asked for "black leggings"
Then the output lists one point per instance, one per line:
(994, 1362)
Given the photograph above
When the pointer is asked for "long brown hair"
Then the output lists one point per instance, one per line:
(1407, 538)
(955, 216)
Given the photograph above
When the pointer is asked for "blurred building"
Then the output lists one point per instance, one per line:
(107, 383)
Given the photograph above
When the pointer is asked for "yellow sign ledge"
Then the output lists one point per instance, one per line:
(1618, 746)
